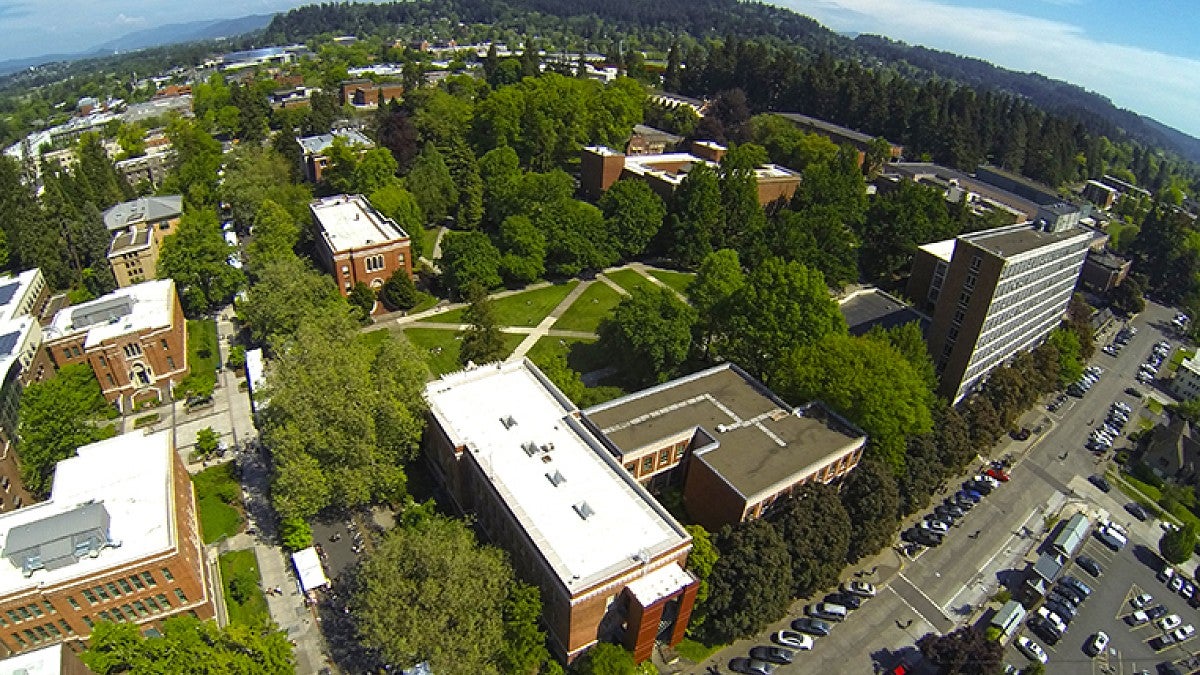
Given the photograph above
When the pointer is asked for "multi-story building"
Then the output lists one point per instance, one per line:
(23, 295)
(22, 360)
(736, 447)
(138, 228)
(134, 339)
(993, 293)
(150, 168)
(1104, 271)
(313, 150)
(608, 559)
(840, 135)
(1187, 379)
(357, 243)
(364, 93)
(600, 167)
(1100, 194)
(118, 540)
(1051, 207)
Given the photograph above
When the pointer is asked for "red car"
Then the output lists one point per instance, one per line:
(998, 474)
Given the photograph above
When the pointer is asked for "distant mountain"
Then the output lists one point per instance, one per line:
(192, 31)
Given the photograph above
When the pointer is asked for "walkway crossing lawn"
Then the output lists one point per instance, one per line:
(218, 501)
(243, 588)
(442, 346)
(676, 280)
(589, 309)
(630, 280)
(583, 355)
(520, 309)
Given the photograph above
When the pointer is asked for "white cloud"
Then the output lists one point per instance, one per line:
(1160, 85)
(129, 20)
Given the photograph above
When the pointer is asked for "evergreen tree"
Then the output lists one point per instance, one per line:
(481, 341)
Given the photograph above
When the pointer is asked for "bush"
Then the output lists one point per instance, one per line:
(1144, 473)
(237, 357)
(993, 633)
(1121, 458)
(295, 533)
(1002, 596)
(400, 293)
(241, 587)
(145, 420)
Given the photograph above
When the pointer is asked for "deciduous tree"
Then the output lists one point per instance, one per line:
(817, 529)
(524, 250)
(649, 334)
(873, 503)
(481, 341)
(633, 214)
(1176, 545)
(190, 647)
(966, 651)
(751, 582)
(196, 257)
(55, 419)
(469, 258)
(286, 292)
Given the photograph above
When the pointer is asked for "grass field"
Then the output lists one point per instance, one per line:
(630, 280)
(589, 309)
(696, 651)
(373, 337)
(521, 309)
(582, 355)
(203, 358)
(442, 346)
(243, 588)
(219, 502)
(677, 280)
(1154, 406)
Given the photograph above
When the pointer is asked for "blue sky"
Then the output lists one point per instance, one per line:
(1142, 54)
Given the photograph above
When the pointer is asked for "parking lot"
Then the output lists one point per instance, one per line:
(1127, 573)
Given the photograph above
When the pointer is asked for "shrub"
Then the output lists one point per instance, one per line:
(295, 533)
(1002, 596)
(237, 357)
(145, 420)
(1145, 474)
(993, 633)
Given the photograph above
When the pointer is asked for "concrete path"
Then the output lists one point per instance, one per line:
(404, 318)
(644, 270)
(612, 284)
(543, 327)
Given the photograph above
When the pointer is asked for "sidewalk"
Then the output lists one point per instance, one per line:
(543, 327)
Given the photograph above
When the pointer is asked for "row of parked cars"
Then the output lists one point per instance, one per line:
(1091, 375)
(1149, 370)
(935, 526)
(1053, 619)
(818, 623)
(1172, 626)
(1109, 430)
(1123, 337)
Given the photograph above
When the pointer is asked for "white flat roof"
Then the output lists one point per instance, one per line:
(13, 291)
(134, 308)
(623, 524)
(309, 569)
(348, 222)
(44, 661)
(942, 249)
(131, 476)
(659, 584)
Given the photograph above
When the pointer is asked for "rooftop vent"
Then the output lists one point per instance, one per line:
(508, 421)
(547, 447)
(584, 510)
(530, 448)
(556, 478)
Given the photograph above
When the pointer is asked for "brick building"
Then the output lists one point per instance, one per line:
(138, 228)
(1103, 271)
(992, 294)
(608, 559)
(735, 446)
(118, 540)
(364, 93)
(357, 243)
(134, 339)
(314, 150)
(600, 167)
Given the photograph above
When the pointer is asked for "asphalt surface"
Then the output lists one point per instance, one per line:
(945, 587)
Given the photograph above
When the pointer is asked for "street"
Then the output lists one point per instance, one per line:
(942, 588)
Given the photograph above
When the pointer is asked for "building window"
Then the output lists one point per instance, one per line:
(66, 627)
(88, 620)
(140, 608)
(17, 502)
(374, 263)
(631, 467)
(133, 349)
(129, 613)
(162, 600)
(103, 361)
(179, 594)
(49, 607)
(105, 616)
(112, 590)
(12, 616)
(165, 345)
(100, 592)
(125, 586)
(19, 640)
(111, 381)
(67, 352)
(137, 583)
(664, 457)
(648, 463)
(149, 579)
(71, 601)
(166, 572)
(171, 363)
(90, 597)
(152, 605)
(976, 262)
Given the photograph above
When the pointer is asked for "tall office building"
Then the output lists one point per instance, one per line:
(994, 293)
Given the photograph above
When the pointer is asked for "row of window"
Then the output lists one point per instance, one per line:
(137, 610)
(48, 632)
(664, 458)
(31, 611)
(120, 587)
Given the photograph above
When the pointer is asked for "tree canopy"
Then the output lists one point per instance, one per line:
(196, 257)
(56, 418)
(190, 647)
(751, 582)
(649, 334)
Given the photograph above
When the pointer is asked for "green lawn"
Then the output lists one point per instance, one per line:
(203, 359)
(630, 280)
(442, 346)
(521, 309)
(589, 309)
(697, 651)
(1154, 406)
(1178, 358)
(374, 338)
(677, 280)
(582, 354)
(243, 588)
(219, 502)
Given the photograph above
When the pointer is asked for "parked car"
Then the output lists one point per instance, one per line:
(1097, 644)
(934, 526)
(1063, 609)
(1065, 597)
(1113, 538)
(999, 474)
(860, 588)
(1142, 600)
(826, 611)
(1157, 612)
(1166, 574)
(1137, 511)
(1169, 622)
(847, 600)
(772, 654)
(1176, 583)
(1133, 391)
(812, 626)
(1089, 565)
(951, 511)
(1076, 585)
(751, 666)
(794, 640)
(1045, 630)
(1100, 482)
(1183, 632)
(1188, 591)
(1032, 649)
(1059, 623)
(1137, 618)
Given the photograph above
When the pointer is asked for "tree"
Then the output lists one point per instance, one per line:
(700, 563)
(481, 341)
(576, 237)
(872, 501)
(431, 184)
(718, 279)
(816, 238)
(275, 234)
(633, 213)
(750, 584)
(910, 342)
(399, 292)
(395, 131)
(464, 169)
(1070, 362)
(469, 258)
(254, 175)
(966, 651)
(649, 334)
(869, 382)
(55, 419)
(190, 647)
(374, 171)
(401, 206)
(286, 292)
(816, 528)
(1079, 320)
(524, 648)
(196, 256)
(198, 158)
(524, 250)
(207, 442)
(744, 223)
(781, 306)
(362, 299)
(606, 658)
(430, 592)
(897, 223)
(1176, 545)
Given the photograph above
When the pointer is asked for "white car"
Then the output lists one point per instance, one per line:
(1169, 622)
(1142, 600)
(860, 588)
(934, 526)
(1176, 583)
(1053, 619)
(1098, 643)
(1032, 649)
(1184, 632)
(794, 640)
(1137, 618)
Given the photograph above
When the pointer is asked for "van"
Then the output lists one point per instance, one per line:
(1110, 536)
(827, 611)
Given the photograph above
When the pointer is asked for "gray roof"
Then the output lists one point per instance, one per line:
(58, 540)
(101, 312)
(315, 145)
(864, 311)
(1049, 566)
(651, 132)
(1072, 535)
(144, 210)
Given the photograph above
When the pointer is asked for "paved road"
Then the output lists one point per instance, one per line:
(943, 587)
